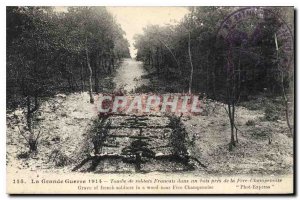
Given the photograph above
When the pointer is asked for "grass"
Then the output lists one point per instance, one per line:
(259, 133)
(273, 107)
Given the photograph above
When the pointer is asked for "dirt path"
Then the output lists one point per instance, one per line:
(129, 74)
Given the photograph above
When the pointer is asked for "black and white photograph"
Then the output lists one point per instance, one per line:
(150, 100)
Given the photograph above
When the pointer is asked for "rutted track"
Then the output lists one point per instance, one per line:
(139, 143)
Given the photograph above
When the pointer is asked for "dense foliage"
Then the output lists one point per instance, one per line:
(193, 45)
(49, 51)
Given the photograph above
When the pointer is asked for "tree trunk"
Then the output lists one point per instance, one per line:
(95, 63)
(231, 120)
(192, 67)
(90, 75)
(31, 141)
(157, 61)
(102, 63)
(30, 111)
(81, 77)
(284, 96)
(138, 161)
(173, 55)
(28, 116)
(112, 60)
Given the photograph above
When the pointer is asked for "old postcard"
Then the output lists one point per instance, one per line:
(150, 100)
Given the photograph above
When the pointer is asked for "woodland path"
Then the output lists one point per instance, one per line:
(128, 75)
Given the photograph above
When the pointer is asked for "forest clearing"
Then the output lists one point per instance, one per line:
(66, 120)
(71, 71)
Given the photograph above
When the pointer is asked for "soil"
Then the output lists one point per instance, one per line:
(65, 120)
(265, 145)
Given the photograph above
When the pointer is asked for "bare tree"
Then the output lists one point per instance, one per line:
(284, 96)
(32, 139)
(90, 72)
(190, 54)
(192, 67)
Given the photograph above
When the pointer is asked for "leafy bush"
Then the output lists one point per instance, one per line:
(177, 137)
(23, 155)
(250, 123)
(271, 113)
(259, 133)
(59, 158)
(99, 133)
(145, 89)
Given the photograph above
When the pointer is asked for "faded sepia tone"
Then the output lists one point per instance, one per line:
(139, 100)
